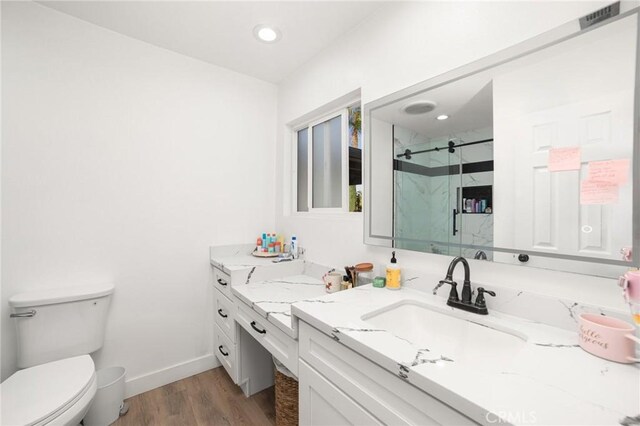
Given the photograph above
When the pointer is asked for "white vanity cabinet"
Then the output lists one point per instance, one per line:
(246, 360)
(248, 364)
(340, 387)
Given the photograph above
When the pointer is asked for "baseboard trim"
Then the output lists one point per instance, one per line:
(164, 376)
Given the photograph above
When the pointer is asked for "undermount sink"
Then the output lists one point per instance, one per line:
(446, 335)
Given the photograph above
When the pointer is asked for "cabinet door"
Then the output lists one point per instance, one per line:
(225, 315)
(321, 403)
(225, 351)
(222, 281)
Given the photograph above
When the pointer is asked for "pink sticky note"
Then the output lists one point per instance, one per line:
(614, 171)
(598, 192)
(561, 159)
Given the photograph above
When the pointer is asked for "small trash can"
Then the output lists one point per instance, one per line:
(106, 406)
(286, 396)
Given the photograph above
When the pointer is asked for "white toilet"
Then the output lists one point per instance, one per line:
(56, 331)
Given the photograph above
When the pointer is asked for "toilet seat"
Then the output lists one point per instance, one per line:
(38, 395)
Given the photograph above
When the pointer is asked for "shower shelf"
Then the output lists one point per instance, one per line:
(477, 193)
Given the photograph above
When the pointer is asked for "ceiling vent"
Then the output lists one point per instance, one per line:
(419, 107)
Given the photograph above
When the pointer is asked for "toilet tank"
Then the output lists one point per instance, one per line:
(59, 323)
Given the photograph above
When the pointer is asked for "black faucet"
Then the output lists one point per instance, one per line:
(464, 303)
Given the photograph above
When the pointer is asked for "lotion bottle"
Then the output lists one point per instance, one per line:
(393, 273)
(294, 247)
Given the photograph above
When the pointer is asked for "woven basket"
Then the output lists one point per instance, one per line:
(286, 400)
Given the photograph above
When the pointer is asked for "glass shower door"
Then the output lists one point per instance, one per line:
(425, 212)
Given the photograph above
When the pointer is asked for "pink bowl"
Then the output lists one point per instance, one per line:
(608, 338)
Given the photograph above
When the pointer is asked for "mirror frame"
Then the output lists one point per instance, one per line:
(550, 38)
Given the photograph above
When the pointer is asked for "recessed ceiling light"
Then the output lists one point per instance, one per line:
(266, 33)
(442, 117)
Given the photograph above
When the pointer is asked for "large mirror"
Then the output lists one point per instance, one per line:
(526, 157)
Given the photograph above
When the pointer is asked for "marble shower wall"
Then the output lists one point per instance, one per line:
(477, 228)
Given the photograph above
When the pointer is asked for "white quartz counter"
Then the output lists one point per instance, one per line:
(548, 380)
(273, 298)
(238, 258)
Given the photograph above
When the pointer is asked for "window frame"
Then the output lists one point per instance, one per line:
(343, 113)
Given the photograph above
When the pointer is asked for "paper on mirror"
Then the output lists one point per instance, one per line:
(563, 159)
(598, 192)
(614, 171)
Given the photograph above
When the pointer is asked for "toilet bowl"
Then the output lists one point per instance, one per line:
(55, 393)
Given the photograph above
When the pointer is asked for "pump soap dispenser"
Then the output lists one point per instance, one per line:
(393, 273)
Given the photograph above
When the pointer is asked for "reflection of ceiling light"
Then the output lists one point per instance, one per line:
(442, 117)
(419, 107)
(266, 33)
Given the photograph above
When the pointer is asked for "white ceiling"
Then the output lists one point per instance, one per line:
(221, 32)
(468, 103)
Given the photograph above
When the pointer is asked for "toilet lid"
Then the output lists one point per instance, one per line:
(35, 393)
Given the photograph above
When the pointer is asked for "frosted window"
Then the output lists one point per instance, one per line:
(327, 164)
(303, 170)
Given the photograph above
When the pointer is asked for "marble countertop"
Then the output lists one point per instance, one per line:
(240, 262)
(237, 257)
(273, 298)
(548, 380)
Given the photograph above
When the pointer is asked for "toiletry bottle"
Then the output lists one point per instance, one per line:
(393, 273)
(345, 283)
(294, 247)
(259, 244)
(264, 240)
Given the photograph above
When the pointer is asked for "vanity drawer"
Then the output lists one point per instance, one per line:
(222, 281)
(389, 398)
(281, 346)
(225, 351)
(224, 315)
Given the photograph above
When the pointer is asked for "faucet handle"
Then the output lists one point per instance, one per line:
(453, 294)
(480, 302)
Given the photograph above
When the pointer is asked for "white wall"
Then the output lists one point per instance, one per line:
(402, 45)
(123, 162)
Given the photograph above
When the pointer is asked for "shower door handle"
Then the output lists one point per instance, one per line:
(455, 213)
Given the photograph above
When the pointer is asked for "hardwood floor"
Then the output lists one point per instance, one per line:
(209, 398)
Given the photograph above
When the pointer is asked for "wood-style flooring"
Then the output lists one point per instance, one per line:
(208, 398)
